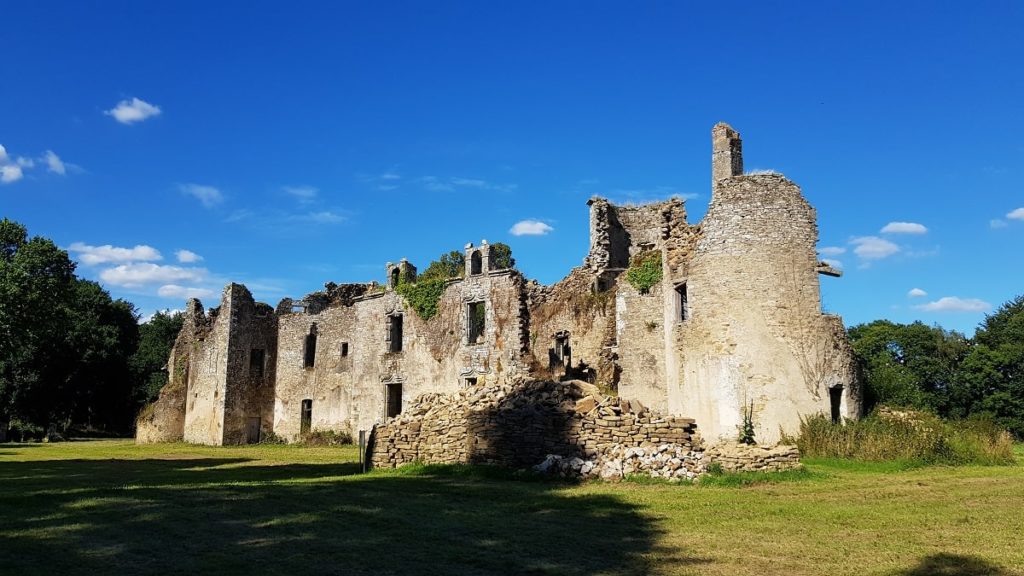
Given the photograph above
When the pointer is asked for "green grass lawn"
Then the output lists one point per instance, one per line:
(113, 507)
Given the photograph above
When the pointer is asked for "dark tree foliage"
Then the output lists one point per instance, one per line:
(926, 367)
(501, 256)
(64, 343)
(149, 362)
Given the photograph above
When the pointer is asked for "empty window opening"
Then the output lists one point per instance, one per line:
(344, 349)
(306, 421)
(395, 275)
(471, 382)
(256, 356)
(682, 304)
(561, 353)
(476, 263)
(395, 333)
(310, 355)
(475, 322)
(252, 430)
(835, 396)
(394, 399)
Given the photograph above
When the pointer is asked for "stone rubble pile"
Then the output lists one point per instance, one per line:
(563, 428)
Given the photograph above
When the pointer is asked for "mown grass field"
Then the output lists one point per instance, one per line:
(110, 507)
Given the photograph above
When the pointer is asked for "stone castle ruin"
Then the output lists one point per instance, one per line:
(730, 320)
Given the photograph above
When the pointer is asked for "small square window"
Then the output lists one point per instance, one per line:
(344, 349)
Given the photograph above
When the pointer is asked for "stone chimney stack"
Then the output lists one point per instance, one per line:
(727, 155)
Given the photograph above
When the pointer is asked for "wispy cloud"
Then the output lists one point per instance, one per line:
(208, 196)
(647, 195)
(175, 291)
(132, 111)
(873, 247)
(450, 184)
(136, 275)
(763, 172)
(1017, 214)
(917, 293)
(305, 194)
(904, 228)
(92, 255)
(954, 304)
(321, 217)
(996, 223)
(54, 163)
(832, 250)
(187, 256)
(833, 263)
(530, 228)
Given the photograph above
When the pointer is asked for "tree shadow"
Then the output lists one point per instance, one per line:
(945, 564)
(229, 516)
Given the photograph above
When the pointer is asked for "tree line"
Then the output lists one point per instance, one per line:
(72, 359)
(944, 372)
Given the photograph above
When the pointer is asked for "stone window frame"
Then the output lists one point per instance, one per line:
(469, 323)
(388, 387)
(476, 263)
(389, 332)
(681, 301)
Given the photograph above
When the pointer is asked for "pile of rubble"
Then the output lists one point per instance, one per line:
(570, 428)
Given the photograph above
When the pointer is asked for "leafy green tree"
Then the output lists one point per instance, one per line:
(501, 256)
(992, 375)
(912, 365)
(450, 265)
(149, 362)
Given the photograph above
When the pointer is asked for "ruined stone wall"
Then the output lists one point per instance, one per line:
(164, 419)
(249, 388)
(755, 331)
(520, 424)
(349, 393)
(640, 338)
(573, 306)
(207, 375)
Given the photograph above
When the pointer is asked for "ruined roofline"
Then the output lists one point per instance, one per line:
(637, 205)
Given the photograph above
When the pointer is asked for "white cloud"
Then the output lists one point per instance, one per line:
(390, 176)
(175, 291)
(3, 154)
(904, 228)
(187, 256)
(322, 217)
(207, 195)
(917, 293)
(134, 110)
(873, 247)
(103, 254)
(10, 173)
(1017, 214)
(54, 163)
(954, 304)
(303, 193)
(139, 274)
(144, 318)
(763, 172)
(832, 250)
(530, 228)
(996, 223)
(435, 184)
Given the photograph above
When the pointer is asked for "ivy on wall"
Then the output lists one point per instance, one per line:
(645, 271)
(423, 295)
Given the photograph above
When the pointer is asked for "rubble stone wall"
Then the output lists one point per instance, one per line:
(249, 389)
(519, 425)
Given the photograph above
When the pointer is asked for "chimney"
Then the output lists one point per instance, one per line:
(727, 153)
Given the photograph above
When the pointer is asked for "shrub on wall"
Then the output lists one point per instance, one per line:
(645, 271)
(423, 295)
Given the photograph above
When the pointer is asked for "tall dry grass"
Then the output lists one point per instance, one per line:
(888, 435)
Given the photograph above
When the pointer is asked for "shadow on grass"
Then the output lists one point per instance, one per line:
(231, 516)
(955, 565)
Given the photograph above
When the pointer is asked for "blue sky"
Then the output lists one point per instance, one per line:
(287, 144)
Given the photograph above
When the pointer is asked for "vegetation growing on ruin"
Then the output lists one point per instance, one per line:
(424, 294)
(645, 271)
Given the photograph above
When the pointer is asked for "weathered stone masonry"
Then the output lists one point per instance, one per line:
(735, 322)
